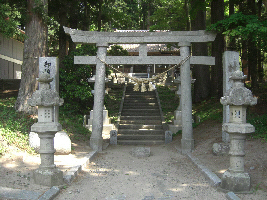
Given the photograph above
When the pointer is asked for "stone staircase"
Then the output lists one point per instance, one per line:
(140, 121)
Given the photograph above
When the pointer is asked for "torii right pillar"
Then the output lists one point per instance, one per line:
(186, 100)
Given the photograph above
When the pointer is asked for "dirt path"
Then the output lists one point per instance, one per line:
(116, 174)
(166, 174)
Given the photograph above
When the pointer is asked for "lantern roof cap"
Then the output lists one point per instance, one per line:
(45, 96)
(238, 95)
(238, 75)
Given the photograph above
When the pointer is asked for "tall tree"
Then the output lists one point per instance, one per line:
(34, 47)
(200, 72)
(252, 48)
(217, 14)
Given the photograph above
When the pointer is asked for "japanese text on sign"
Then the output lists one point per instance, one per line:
(47, 67)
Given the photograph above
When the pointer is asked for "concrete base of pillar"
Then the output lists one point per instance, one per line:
(187, 145)
(48, 177)
(175, 128)
(106, 130)
(236, 182)
(96, 143)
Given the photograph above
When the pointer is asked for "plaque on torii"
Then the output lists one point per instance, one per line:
(104, 39)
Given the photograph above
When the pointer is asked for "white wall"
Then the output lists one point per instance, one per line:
(11, 57)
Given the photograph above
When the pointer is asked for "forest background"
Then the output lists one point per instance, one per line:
(240, 26)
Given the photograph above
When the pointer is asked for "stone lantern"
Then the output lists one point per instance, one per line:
(238, 98)
(46, 128)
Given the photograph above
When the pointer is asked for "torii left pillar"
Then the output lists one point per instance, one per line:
(96, 139)
(187, 140)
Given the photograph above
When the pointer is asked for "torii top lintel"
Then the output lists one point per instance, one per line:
(93, 37)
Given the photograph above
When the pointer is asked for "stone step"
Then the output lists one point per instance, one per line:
(143, 118)
(131, 91)
(147, 100)
(140, 106)
(140, 121)
(147, 122)
(140, 132)
(140, 126)
(144, 95)
(143, 112)
(140, 95)
(127, 104)
(141, 137)
(140, 142)
(154, 100)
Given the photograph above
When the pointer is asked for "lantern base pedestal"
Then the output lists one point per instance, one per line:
(236, 182)
(48, 177)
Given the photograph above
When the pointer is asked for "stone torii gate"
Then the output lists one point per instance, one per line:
(104, 39)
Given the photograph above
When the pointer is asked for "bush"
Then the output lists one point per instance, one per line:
(14, 126)
(73, 79)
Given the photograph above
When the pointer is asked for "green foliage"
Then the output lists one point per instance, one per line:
(73, 124)
(206, 110)
(169, 102)
(41, 9)
(2, 150)
(14, 126)
(121, 14)
(243, 27)
(260, 123)
(113, 101)
(210, 109)
(197, 6)
(53, 38)
(117, 50)
(9, 22)
(74, 85)
(169, 15)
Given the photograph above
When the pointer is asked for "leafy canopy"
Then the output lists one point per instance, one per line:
(243, 27)
(9, 22)
(169, 15)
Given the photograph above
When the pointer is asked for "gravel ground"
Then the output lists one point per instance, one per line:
(116, 174)
(166, 174)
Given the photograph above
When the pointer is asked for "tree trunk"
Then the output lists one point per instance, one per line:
(244, 50)
(187, 15)
(231, 7)
(62, 51)
(259, 54)
(99, 24)
(252, 50)
(252, 63)
(231, 46)
(244, 59)
(200, 72)
(34, 47)
(74, 25)
(217, 13)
